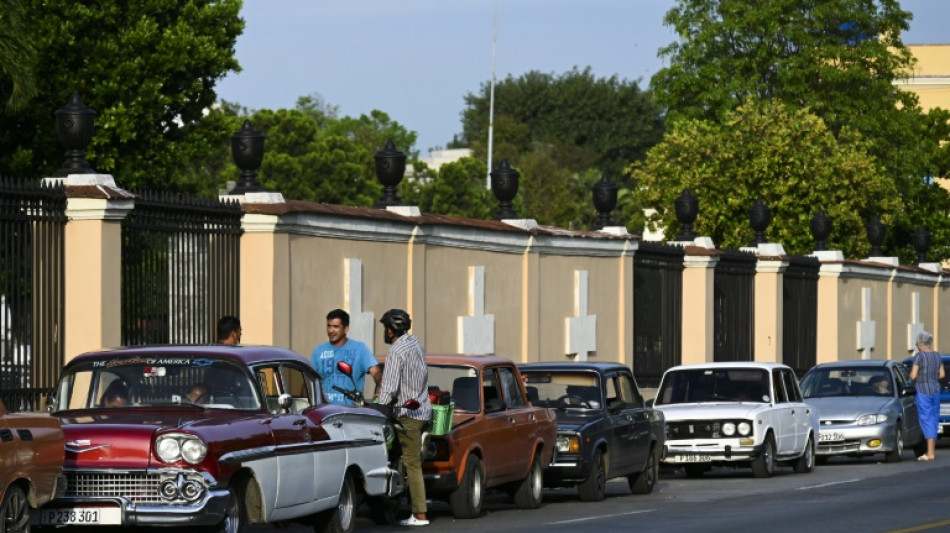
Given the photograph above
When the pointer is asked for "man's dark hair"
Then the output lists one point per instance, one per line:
(342, 315)
(226, 325)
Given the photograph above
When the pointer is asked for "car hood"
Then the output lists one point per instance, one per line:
(116, 440)
(567, 421)
(848, 407)
(710, 410)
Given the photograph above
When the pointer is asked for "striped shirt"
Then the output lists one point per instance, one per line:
(928, 372)
(406, 376)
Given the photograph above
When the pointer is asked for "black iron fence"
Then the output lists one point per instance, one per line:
(800, 313)
(180, 268)
(32, 247)
(657, 310)
(734, 307)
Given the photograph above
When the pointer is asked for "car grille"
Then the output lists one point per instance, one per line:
(693, 429)
(136, 487)
(839, 447)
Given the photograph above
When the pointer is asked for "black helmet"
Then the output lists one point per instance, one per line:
(397, 320)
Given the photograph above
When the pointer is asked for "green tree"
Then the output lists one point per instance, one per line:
(456, 189)
(788, 158)
(583, 122)
(838, 58)
(148, 68)
(17, 56)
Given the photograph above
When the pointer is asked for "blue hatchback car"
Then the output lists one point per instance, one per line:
(944, 429)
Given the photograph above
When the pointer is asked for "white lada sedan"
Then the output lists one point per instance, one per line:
(736, 414)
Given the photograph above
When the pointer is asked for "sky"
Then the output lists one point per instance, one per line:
(417, 59)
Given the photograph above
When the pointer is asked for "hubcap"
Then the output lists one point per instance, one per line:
(476, 491)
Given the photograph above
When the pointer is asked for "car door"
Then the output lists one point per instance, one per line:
(506, 452)
(801, 416)
(908, 403)
(782, 415)
(294, 480)
(629, 423)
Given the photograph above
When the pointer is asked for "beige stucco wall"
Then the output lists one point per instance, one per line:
(698, 329)
(930, 79)
(769, 311)
(902, 314)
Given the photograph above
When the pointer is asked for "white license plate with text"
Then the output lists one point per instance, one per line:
(830, 436)
(692, 458)
(101, 516)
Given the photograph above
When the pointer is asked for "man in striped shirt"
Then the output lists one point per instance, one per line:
(406, 377)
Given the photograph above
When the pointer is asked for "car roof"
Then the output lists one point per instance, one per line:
(857, 363)
(242, 353)
(730, 364)
(597, 366)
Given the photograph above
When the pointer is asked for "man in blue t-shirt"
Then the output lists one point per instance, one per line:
(340, 348)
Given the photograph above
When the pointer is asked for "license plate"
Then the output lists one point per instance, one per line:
(940, 429)
(830, 436)
(102, 516)
(692, 458)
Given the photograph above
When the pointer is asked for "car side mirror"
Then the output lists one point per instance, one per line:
(494, 405)
(908, 391)
(51, 403)
(285, 401)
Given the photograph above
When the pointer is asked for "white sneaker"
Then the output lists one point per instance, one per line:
(413, 521)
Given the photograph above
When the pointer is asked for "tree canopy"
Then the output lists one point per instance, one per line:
(148, 68)
(787, 158)
(837, 58)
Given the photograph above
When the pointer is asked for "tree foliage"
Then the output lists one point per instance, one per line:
(148, 68)
(456, 189)
(17, 56)
(561, 132)
(838, 58)
(788, 158)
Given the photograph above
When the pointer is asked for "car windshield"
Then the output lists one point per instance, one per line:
(127, 382)
(562, 389)
(714, 385)
(844, 381)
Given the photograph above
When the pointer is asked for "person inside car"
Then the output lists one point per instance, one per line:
(116, 395)
(880, 385)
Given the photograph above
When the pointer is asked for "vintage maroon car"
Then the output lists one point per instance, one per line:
(31, 465)
(497, 438)
(217, 436)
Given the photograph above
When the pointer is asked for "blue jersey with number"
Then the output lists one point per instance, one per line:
(324, 359)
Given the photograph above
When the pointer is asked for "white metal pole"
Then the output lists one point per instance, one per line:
(491, 99)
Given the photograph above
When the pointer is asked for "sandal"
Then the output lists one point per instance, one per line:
(924, 458)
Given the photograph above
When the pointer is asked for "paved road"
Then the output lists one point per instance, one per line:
(845, 495)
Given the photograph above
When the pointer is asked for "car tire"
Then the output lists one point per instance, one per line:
(643, 482)
(897, 454)
(15, 511)
(594, 488)
(528, 494)
(764, 464)
(342, 517)
(466, 500)
(235, 517)
(806, 463)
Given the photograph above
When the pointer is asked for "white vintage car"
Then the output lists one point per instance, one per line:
(736, 414)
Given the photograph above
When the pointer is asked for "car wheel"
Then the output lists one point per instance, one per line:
(897, 454)
(342, 517)
(643, 482)
(466, 500)
(528, 494)
(806, 463)
(15, 511)
(235, 517)
(594, 487)
(764, 464)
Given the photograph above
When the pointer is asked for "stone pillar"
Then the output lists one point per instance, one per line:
(698, 327)
(95, 209)
(265, 281)
(769, 310)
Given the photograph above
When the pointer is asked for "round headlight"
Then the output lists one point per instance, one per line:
(868, 420)
(193, 450)
(563, 444)
(168, 449)
(745, 429)
(728, 429)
